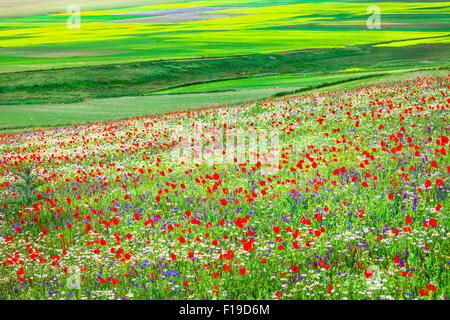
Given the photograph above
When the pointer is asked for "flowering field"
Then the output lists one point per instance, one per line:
(356, 206)
(169, 29)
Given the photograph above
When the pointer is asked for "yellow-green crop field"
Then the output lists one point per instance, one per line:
(197, 29)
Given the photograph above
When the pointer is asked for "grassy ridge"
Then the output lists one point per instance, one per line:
(136, 79)
(19, 117)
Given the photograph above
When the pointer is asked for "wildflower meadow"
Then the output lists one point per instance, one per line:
(340, 194)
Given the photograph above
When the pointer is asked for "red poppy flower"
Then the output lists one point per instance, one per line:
(431, 287)
(20, 272)
(408, 219)
(423, 292)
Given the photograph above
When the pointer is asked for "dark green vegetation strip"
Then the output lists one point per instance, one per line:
(137, 79)
(327, 84)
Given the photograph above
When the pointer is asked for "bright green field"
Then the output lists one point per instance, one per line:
(291, 81)
(49, 115)
(239, 27)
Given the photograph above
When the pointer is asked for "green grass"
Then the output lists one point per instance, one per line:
(50, 115)
(388, 77)
(288, 81)
(136, 79)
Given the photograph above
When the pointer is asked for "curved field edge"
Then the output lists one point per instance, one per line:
(26, 117)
